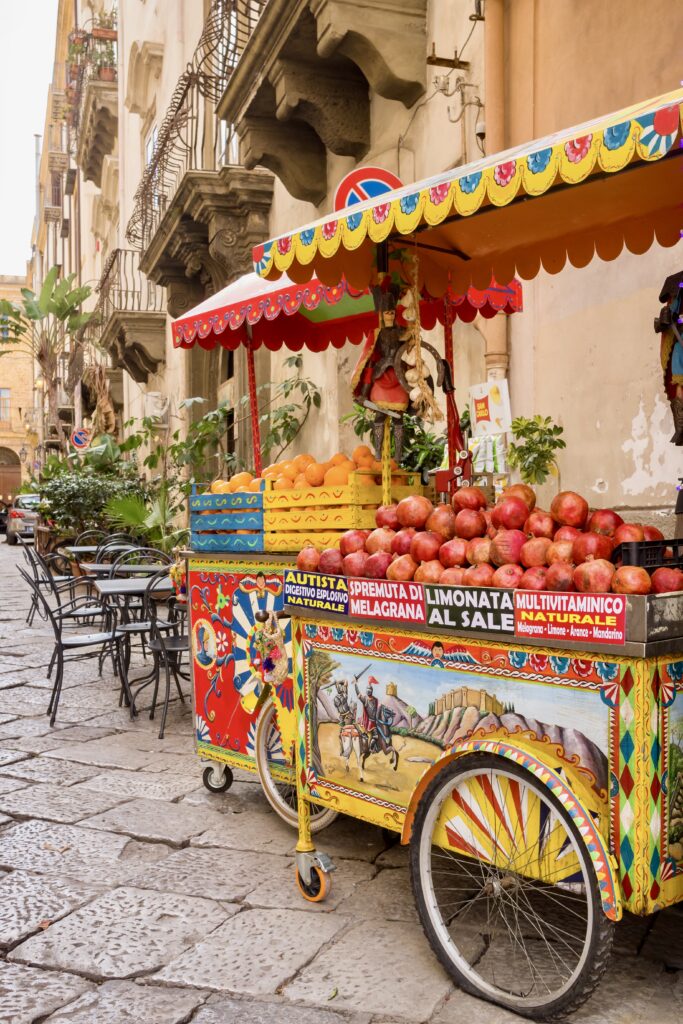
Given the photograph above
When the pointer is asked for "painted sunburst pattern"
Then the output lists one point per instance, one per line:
(276, 754)
(503, 822)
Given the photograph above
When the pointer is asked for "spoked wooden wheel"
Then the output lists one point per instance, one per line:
(506, 891)
(277, 777)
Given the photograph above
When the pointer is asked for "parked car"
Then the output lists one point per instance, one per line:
(22, 517)
(4, 509)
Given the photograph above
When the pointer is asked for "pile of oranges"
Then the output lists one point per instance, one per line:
(303, 471)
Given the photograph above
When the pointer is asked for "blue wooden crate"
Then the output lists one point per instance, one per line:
(240, 520)
(226, 502)
(245, 542)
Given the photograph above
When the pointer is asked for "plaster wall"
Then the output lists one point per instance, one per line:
(16, 375)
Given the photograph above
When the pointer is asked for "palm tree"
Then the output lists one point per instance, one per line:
(43, 325)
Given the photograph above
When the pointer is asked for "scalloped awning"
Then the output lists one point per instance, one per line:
(591, 190)
(314, 315)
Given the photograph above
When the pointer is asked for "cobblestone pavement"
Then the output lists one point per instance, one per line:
(129, 893)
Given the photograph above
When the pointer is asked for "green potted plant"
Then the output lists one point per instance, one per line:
(533, 451)
(105, 62)
(105, 27)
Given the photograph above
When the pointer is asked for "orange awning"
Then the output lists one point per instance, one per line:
(591, 190)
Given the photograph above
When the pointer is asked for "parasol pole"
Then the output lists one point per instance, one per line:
(453, 426)
(253, 406)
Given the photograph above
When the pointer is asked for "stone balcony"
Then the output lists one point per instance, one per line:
(98, 127)
(304, 80)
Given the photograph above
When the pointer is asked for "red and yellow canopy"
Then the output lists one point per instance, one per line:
(613, 182)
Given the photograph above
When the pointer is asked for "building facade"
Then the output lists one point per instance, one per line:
(18, 436)
(196, 130)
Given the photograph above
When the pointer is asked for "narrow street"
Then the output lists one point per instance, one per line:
(129, 893)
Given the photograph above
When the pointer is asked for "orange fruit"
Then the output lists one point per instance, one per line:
(217, 487)
(337, 476)
(283, 483)
(365, 461)
(239, 479)
(300, 481)
(254, 485)
(360, 453)
(315, 474)
(337, 459)
(288, 469)
(301, 461)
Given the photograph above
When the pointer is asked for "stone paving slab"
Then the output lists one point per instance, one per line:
(352, 839)
(108, 752)
(11, 756)
(35, 744)
(82, 853)
(28, 901)
(154, 785)
(155, 820)
(254, 953)
(386, 970)
(279, 888)
(27, 995)
(386, 897)
(10, 785)
(242, 796)
(129, 932)
(39, 726)
(194, 872)
(54, 803)
(250, 832)
(43, 769)
(125, 1002)
(230, 1011)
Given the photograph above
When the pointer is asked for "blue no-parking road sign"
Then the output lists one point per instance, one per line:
(80, 439)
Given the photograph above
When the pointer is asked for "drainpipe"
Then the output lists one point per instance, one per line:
(495, 331)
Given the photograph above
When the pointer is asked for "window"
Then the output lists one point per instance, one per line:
(150, 145)
(227, 365)
(4, 404)
(4, 328)
(56, 189)
(230, 431)
(228, 144)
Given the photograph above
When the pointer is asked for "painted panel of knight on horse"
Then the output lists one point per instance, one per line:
(388, 706)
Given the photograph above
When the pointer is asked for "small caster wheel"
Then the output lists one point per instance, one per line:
(318, 888)
(216, 779)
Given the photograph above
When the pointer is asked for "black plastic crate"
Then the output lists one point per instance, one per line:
(650, 554)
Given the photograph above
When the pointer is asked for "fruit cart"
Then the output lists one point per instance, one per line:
(242, 540)
(526, 745)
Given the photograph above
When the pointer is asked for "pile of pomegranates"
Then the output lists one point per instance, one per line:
(514, 544)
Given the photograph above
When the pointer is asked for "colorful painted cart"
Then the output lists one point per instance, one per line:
(537, 779)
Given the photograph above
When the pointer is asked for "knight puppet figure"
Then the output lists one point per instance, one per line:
(669, 324)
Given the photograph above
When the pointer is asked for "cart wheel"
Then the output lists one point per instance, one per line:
(217, 778)
(318, 888)
(277, 777)
(506, 891)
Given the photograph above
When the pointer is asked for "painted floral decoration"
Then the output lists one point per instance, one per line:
(582, 667)
(311, 631)
(469, 182)
(307, 236)
(284, 245)
(517, 659)
(329, 229)
(202, 730)
(439, 193)
(353, 220)
(337, 634)
(616, 135)
(607, 670)
(409, 203)
(675, 671)
(538, 662)
(504, 173)
(559, 665)
(222, 643)
(366, 638)
(537, 162)
(381, 212)
(577, 149)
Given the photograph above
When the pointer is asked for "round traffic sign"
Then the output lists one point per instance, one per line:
(364, 183)
(80, 438)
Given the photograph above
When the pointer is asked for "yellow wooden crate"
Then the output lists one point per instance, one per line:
(293, 542)
(331, 517)
(361, 490)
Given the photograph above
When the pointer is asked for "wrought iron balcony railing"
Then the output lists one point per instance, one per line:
(124, 288)
(191, 136)
(92, 58)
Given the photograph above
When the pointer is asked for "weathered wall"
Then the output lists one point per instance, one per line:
(16, 374)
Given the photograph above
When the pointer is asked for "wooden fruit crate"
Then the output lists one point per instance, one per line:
(211, 515)
(292, 542)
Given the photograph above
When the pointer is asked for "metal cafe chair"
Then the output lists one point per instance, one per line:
(77, 646)
(44, 578)
(90, 537)
(132, 610)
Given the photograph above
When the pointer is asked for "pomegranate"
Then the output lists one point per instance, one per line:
(652, 533)
(414, 511)
(353, 540)
(591, 545)
(523, 491)
(380, 539)
(429, 572)
(478, 550)
(534, 578)
(308, 558)
(560, 551)
(667, 580)
(469, 497)
(354, 563)
(594, 577)
(400, 545)
(535, 552)
(628, 532)
(631, 579)
(425, 546)
(377, 565)
(442, 521)
(480, 575)
(540, 524)
(604, 521)
(569, 509)
(469, 524)
(386, 516)
(454, 576)
(510, 513)
(454, 552)
(567, 533)
(506, 546)
(509, 576)
(491, 530)
(331, 562)
(402, 568)
(560, 576)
